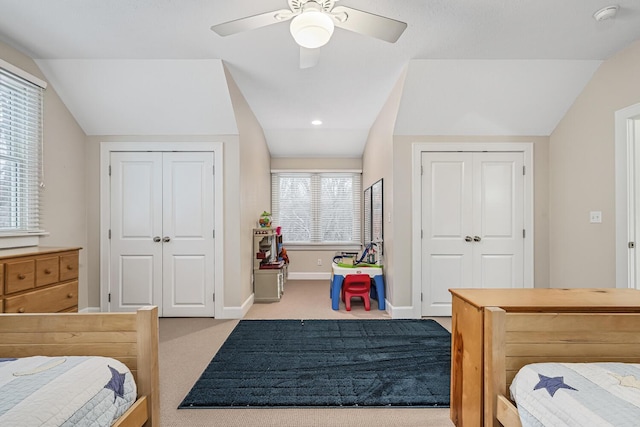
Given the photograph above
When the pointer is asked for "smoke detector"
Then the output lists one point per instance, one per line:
(606, 13)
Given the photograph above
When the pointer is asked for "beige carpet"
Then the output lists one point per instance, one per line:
(188, 344)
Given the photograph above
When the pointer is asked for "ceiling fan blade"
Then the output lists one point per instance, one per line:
(309, 57)
(366, 23)
(252, 22)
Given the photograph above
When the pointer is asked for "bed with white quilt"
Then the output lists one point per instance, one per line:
(578, 394)
(561, 369)
(79, 369)
(64, 391)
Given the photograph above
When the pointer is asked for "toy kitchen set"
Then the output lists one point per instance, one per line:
(269, 267)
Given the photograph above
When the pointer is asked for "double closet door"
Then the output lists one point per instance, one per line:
(472, 224)
(162, 232)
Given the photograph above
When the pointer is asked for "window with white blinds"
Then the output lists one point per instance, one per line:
(20, 153)
(317, 208)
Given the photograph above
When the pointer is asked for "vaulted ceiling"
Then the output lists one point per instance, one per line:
(154, 67)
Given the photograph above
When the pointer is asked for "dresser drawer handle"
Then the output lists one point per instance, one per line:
(47, 271)
(21, 310)
(21, 276)
(69, 267)
(69, 295)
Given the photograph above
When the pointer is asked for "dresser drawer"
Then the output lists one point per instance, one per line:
(47, 270)
(20, 276)
(49, 300)
(68, 267)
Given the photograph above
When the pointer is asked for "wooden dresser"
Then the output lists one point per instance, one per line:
(39, 279)
(469, 387)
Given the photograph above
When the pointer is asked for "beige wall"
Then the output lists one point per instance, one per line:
(64, 198)
(306, 261)
(581, 176)
(378, 163)
(254, 192)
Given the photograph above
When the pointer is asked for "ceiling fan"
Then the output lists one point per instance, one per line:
(313, 22)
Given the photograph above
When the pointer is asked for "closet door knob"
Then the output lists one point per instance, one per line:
(166, 239)
(157, 239)
(468, 239)
(476, 238)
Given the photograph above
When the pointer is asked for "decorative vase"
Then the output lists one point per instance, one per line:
(265, 220)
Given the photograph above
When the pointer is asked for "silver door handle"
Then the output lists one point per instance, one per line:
(468, 239)
(157, 239)
(476, 238)
(166, 239)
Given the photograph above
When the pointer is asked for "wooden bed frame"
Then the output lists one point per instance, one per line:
(132, 338)
(516, 339)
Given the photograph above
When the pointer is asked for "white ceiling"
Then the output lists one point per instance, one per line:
(479, 67)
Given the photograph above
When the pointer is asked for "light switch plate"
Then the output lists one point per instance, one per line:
(595, 217)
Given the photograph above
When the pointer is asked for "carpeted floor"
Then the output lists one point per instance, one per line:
(328, 363)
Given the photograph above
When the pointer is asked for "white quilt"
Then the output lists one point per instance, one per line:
(64, 391)
(578, 394)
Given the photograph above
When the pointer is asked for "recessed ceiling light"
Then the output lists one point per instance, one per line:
(606, 13)
(316, 122)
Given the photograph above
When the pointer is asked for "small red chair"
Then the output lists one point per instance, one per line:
(356, 285)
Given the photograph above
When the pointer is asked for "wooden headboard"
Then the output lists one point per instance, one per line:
(131, 338)
(517, 339)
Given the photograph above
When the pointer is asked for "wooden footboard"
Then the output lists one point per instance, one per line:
(132, 338)
(513, 340)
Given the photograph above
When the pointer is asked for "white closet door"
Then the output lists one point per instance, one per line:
(447, 217)
(136, 219)
(162, 225)
(498, 220)
(188, 241)
(472, 224)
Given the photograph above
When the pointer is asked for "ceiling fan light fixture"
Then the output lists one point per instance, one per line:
(312, 29)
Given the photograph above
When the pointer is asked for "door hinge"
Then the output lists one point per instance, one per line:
(109, 299)
(109, 233)
(421, 234)
(214, 297)
(213, 168)
(109, 170)
(524, 234)
(421, 297)
(524, 169)
(632, 245)
(421, 170)
(214, 234)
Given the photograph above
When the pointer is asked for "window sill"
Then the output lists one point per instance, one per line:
(19, 240)
(322, 247)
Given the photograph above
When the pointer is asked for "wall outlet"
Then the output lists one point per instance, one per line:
(595, 217)
(319, 261)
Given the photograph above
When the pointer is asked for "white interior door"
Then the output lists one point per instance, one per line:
(498, 220)
(136, 219)
(472, 224)
(187, 257)
(162, 232)
(447, 221)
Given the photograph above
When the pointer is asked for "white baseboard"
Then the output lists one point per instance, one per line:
(308, 276)
(90, 310)
(405, 312)
(236, 312)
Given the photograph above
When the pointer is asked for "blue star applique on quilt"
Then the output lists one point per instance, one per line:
(116, 383)
(552, 384)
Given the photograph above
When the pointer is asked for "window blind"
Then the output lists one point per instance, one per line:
(20, 153)
(317, 208)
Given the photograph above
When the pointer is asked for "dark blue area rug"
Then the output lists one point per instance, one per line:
(328, 363)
